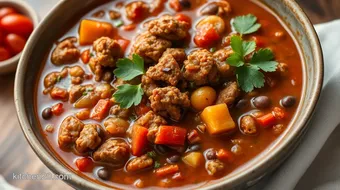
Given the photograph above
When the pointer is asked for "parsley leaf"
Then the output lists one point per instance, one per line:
(157, 164)
(246, 24)
(128, 95)
(241, 49)
(249, 77)
(152, 154)
(263, 59)
(128, 69)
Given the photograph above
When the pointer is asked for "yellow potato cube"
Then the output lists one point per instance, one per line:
(217, 119)
(193, 159)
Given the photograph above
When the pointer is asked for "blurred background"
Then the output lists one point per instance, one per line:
(17, 157)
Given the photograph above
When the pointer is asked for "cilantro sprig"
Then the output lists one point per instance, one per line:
(249, 75)
(128, 69)
(246, 24)
(128, 95)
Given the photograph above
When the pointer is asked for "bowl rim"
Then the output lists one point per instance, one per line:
(10, 64)
(260, 167)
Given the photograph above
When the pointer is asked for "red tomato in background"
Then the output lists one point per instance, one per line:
(17, 24)
(4, 54)
(6, 11)
(15, 42)
(2, 36)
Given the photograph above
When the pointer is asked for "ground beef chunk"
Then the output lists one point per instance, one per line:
(151, 121)
(114, 15)
(137, 10)
(59, 94)
(89, 138)
(220, 58)
(169, 28)
(169, 102)
(77, 74)
(113, 151)
(177, 53)
(65, 52)
(150, 47)
(167, 70)
(229, 94)
(108, 51)
(139, 163)
(116, 126)
(148, 85)
(119, 112)
(51, 79)
(69, 131)
(214, 167)
(76, 92)
(200, 68)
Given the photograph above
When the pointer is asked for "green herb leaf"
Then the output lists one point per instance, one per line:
(128, 95)
(236, 45)
(212, 50)
(249, 77)
(246, 24)
(235, 60)
(152, 154)
(248, 47)
(128, 69)
(58, 78)
(118, 23)
(264, 60)
(157, 164)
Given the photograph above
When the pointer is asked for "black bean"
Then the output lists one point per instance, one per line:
(261, 102)
(173, 159)
(210, 9)
(103, 174)
(288, 101)
(161, 149)
(241, 104)
(185, 3)
(195, 147)
(211, 154)
(47, 113)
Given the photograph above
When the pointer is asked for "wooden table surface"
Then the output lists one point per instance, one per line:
(17, 157)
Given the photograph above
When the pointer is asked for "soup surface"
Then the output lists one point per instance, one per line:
(168, 93)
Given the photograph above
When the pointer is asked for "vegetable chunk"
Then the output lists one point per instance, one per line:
(171, 135)
(218, 119)
(91, 30)
(193, 159)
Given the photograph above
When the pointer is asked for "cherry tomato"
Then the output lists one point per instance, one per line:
(58, 109)
(15, 42)
(206, 37)
(84, 164)
(4, 54)
(2, 36)
(17, 24)
(6, 11)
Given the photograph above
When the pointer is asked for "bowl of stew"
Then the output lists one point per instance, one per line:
(17, 20)
(168, 94)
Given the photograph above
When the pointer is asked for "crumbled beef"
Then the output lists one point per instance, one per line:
(113, 151)
(69, 131)
(139, 163)
(65, 52)
(229, 94)
(89, 138)
(151, 121)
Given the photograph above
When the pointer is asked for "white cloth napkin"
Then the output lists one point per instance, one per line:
(299, 171)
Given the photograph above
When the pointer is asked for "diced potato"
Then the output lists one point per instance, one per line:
(193, 159)
(90, 30)
(218, 119)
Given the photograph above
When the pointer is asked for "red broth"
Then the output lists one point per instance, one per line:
(285, 50)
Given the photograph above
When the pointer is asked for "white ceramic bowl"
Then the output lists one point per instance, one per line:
(21, 6)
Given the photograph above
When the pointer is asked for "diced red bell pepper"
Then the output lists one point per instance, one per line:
(267, 120)
(170, 135)
(124, 43)
(84, 164)
(183, 17)
(206, 37)
(139, 140)
(142, 109)
(260, 41)
(85, 56)
(57, 109)
(101, 110)
(224, 155)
